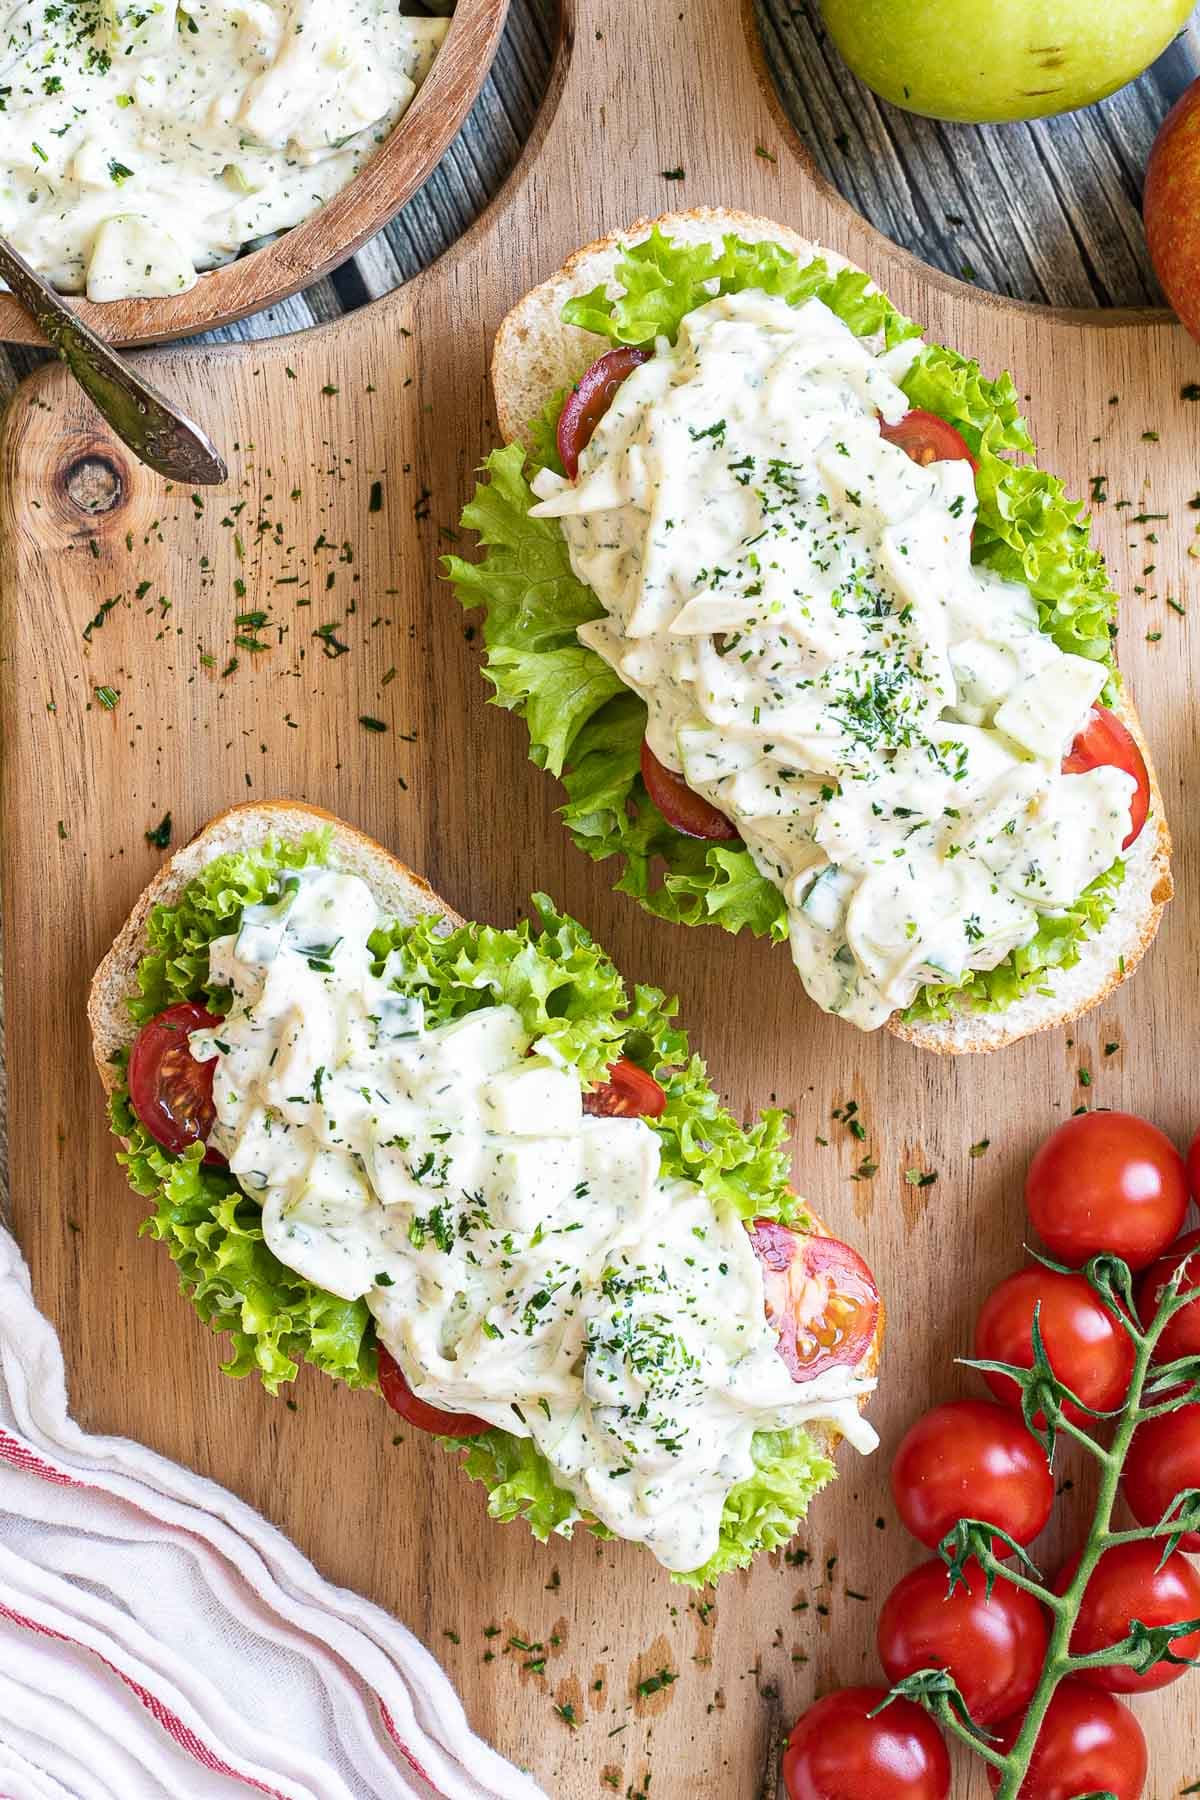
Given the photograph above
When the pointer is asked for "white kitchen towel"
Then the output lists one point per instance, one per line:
(160, 1641)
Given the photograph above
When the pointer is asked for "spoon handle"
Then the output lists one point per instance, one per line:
(142, 417)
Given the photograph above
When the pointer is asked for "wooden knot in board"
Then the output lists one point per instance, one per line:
(94, 483)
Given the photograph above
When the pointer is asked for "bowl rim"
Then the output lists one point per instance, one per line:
(299, 257)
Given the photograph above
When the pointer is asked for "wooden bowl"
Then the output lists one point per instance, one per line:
(311, 249)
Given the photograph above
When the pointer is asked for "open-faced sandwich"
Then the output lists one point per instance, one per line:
(464, 1164)
(814, 654)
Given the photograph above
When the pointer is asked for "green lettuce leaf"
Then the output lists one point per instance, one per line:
(587, 728)
(572, 1000)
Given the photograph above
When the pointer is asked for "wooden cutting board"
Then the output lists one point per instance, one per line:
(352, 448)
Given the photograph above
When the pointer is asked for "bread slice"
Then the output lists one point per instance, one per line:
(397, 890)
(536, 355)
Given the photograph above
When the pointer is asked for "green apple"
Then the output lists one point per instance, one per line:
(984, 60)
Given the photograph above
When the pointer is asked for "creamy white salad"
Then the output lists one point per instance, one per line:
(144, 140)
(524, 1262)
(794, 599)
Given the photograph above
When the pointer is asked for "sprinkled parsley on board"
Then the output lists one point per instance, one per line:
(654, 1684)
(160, 834)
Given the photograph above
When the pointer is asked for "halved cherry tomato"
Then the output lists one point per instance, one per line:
(820, 1297)
(1129, 1584)
(1163, 1461)
(993, 1648)
(972, 1459)
(172, 1093)
(402, 1400)
(1089, 1351)
(687, 811)
(926, 438)
(1105, 742)
(837, 1751)
(1089, 1744)
(1107, 1181)
(1182, 1334)
(629, 1093)
(590, 399)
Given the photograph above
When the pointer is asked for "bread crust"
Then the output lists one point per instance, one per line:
(395, 885)
(536, 355)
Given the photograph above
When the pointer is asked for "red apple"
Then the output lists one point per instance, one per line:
(1172, 207)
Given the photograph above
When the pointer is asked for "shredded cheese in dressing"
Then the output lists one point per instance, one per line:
(523, 1262)
(794, 599)
(144, 140)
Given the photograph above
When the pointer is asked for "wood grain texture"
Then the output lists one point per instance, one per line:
(296, 258)
(397, 394)
(1048, 211)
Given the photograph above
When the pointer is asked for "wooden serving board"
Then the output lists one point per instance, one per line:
(352, 448)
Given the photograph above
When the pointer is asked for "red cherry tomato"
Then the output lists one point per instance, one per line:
(629, 1093)
(820, 1296)
(838, 1752)
(401, 1399)
(1089, 1744)
(1163, 1460)
(994, 1649)
(1088, 1350)
(1128, 1584)
(172, 1093)
(1182, 1334)
(688, 812)
(926, 438)
(1107, 1181)
(590, 399)
(1105, 742)
(1193, 1166)
(972, 1459)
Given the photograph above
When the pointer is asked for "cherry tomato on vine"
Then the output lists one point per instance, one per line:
(1182, 1334)
(1106, 742)
(402, 1400)
(172, 1093)
(1088, 1350)
(1089, 1744)
(838, 1752)
(690, 813)
(926, 438)
(1164, 1460)
(629, 1093)
(820, 1297)
(1128, 1584)
(590, 399)
(994, 1649)
(972, 1459)
(1193, 1166)
(1107, 1181)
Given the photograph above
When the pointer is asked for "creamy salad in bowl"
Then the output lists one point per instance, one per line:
(143, 141)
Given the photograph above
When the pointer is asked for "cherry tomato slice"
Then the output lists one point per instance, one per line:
(972, 1459)
(820, 1297)
(1128, 1584)
(926, 438)
(170, 1092)
(1089, 1351)
(1163, 1460)
(590, 399)
(837, 1751)
(1107, 1181)
(690, 813)
(402, 1400)
(1182, 1334)
(1089, 1744)
(629, 1093)
(993, 1648)
(1105, 743)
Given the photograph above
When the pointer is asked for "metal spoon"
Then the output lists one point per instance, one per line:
(142, 417)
